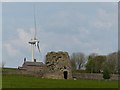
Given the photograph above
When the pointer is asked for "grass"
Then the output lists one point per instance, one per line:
(19, 81)
(7, 68)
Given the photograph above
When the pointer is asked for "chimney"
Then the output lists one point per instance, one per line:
(24, 59)
(34, 60)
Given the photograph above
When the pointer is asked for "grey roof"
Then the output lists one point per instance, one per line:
(33, 63)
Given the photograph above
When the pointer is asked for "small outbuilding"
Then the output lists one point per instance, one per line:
(33, 68)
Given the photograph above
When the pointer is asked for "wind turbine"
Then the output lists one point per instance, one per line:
(34, 41)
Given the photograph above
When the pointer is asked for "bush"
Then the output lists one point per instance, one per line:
(106, 73)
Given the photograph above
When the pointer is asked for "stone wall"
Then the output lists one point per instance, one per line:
(93, 76)
(59, 75)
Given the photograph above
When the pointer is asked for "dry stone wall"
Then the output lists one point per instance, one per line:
(93, 76)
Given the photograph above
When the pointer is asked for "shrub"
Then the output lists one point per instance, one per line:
(106, 73)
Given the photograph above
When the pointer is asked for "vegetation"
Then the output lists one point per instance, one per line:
(9, 69)
(93, 63)
(106, 73)
(112, 62)
(90, 66)
(78, 60)
(19, 81)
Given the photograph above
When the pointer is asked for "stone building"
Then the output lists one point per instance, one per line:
(57, 66)
(33, 68)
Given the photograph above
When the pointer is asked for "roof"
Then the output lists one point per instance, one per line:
(33, 63)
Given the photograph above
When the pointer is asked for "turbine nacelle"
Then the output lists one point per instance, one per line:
(33, 41)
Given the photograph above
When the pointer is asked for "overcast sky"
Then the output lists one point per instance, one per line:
(0, 33)
(72, 27)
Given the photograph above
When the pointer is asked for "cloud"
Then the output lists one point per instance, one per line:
(11, 50)
(103, 20)
(63, 21)
(23, 37)
(0, 32)
(96, 50)
(20, 42)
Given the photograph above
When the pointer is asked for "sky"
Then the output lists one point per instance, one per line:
(0, 33)
(88, 27)
(119, 26)
(59, 0)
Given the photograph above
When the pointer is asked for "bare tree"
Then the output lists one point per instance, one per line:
(73, 63)
(112, 60)
(78, 59)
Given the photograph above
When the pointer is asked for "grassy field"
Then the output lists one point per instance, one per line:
(18, 81)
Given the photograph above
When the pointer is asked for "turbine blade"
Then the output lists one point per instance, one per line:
(35, 24)
(38, 46)
(35, 44)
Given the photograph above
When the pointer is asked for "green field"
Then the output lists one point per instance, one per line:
(19, 81)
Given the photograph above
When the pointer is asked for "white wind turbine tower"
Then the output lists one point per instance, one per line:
(34, 41)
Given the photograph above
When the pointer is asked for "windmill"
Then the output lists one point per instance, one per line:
(34, 41)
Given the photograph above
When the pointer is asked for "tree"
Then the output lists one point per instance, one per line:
(93, 55)
(106, 71)
(112, 60)
(99, 60)
(78, 60)
(94, 63)
(118, 68)
(73, 63)
(90, 66)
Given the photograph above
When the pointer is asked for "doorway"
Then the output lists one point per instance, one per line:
(65, 74)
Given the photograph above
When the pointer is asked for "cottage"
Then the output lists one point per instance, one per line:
(32, 68)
